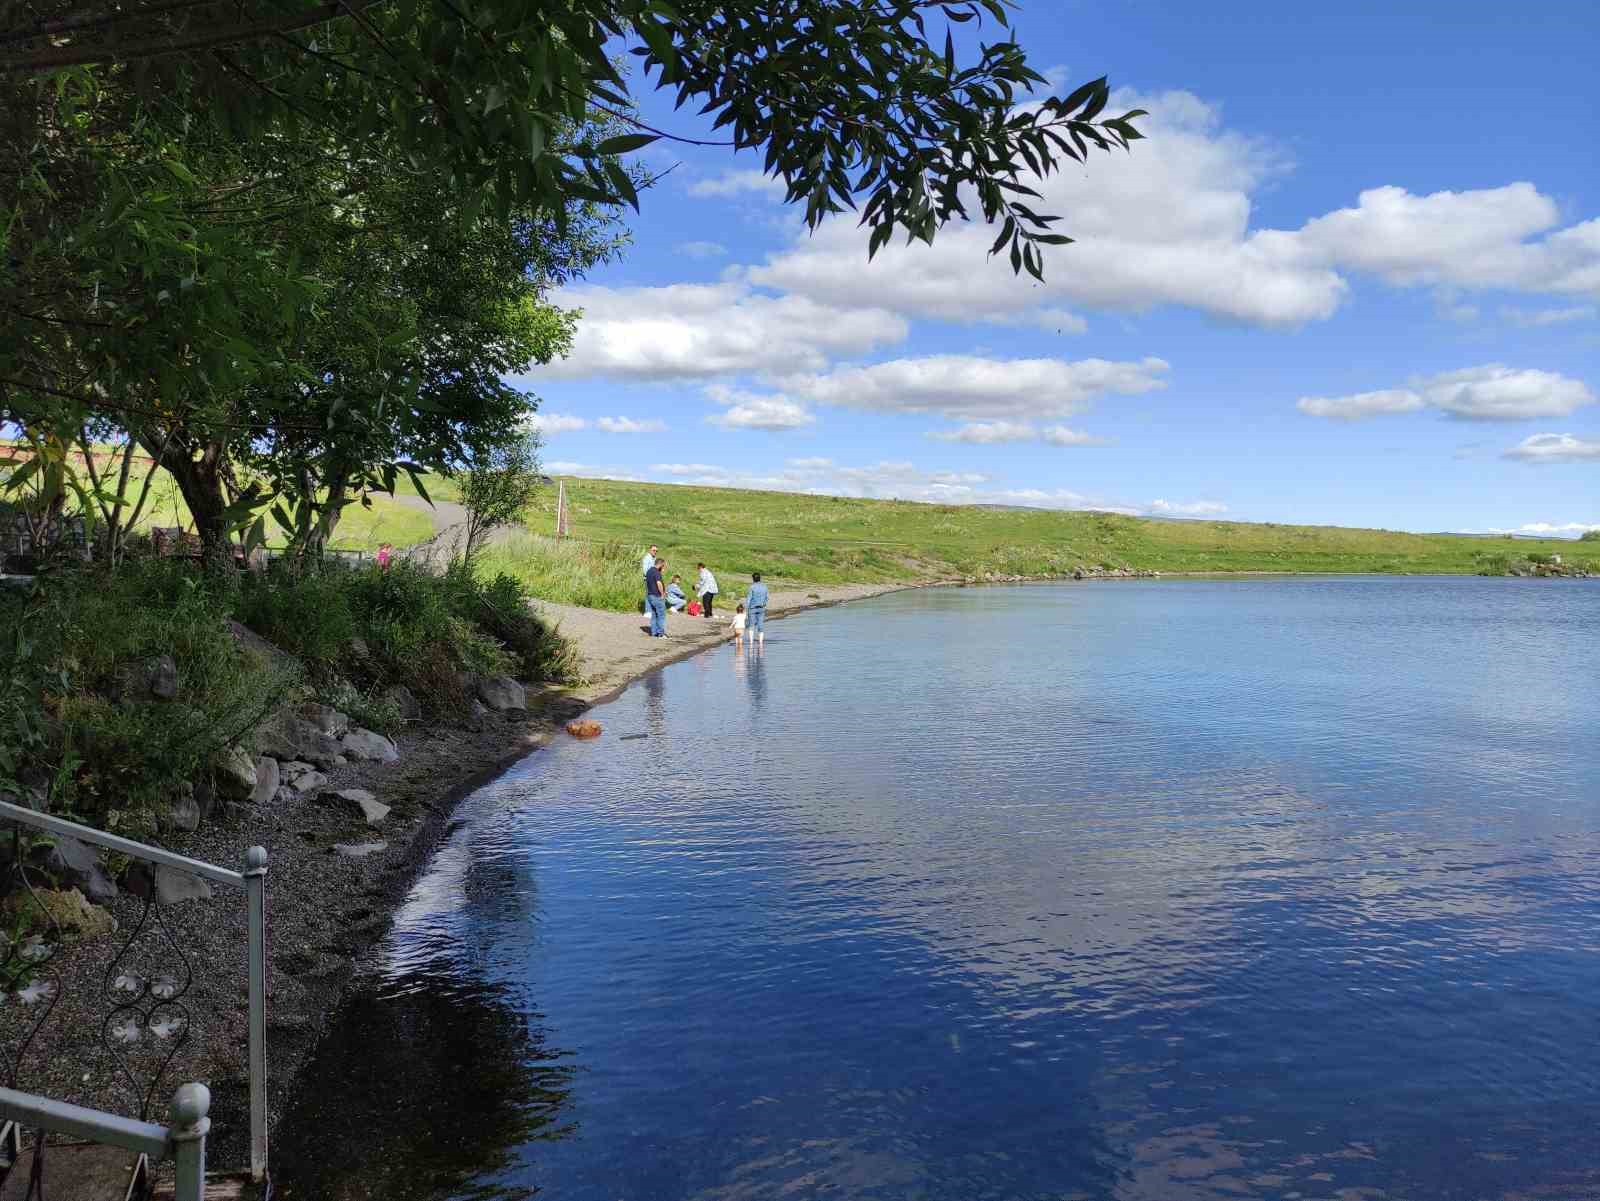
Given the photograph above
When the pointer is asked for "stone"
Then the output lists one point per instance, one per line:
(185, 814)
(267, 780)
(174, 887)
(285, 794)
(364, 744)
(583, 727)
(359, 850)
(290, 736)
(292, 769)
(326, 718)
(253, 641)
(236, 774)
(371, 809)
(161, 677)
(77, 865)
(308, 783)
(502, 693)
(66, 909)
(407, 705)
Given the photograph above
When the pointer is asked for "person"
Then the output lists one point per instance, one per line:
(655, 596)
(756, 609)
(676, 600)
(736, 626)
(385, 554)
(706, 586)
(649, 561)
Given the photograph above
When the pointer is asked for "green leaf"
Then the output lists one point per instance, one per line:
(625, 143)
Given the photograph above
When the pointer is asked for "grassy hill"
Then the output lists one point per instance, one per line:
(825, 540)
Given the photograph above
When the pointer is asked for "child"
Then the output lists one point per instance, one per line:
(737, 625)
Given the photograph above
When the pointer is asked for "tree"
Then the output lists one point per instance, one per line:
(497, 486)
(1590, 535)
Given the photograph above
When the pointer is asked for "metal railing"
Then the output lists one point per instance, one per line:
(252, 881)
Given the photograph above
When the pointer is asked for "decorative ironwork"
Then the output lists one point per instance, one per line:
(26, 954)
(147, 1021)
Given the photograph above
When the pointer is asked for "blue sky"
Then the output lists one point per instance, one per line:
(1352, 277)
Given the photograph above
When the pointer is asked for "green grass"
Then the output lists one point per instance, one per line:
(797, 539)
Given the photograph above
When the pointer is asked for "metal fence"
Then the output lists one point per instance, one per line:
(138, 1003)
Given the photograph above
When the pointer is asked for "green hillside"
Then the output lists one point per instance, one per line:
(826, 540)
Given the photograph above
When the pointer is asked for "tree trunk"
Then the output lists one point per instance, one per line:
(200, 479)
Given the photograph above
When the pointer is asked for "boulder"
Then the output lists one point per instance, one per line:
(290, 736)
(361, 801)
(584, 727)
(502, 693)
(409, 708)
(253, 641)
(77, 865)
(65, 909)
(161, 677)
(308, 783)
(364, 744)
(236, 774)
(358, 850)
(173, 887)
(185, 814)
(267, 780)
(326, 718)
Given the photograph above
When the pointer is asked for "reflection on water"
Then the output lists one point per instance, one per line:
(1166, 890)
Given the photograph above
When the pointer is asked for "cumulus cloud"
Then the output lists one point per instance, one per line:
(631, 425)
(556, 423)
(987, 433)
(1555, 448)
(971, 388)
(1197, 508)
(1362, 404)
(738, 183)
(1174, 228)
(752, 411)
(702, 250)
(702, 331)
(1562, 529)
(1492, 392)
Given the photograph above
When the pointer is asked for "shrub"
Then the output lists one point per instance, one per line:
(307, 615)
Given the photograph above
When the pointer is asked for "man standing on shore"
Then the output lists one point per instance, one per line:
(755, 605)
(706, 586)
(649, 561)
(655, 597)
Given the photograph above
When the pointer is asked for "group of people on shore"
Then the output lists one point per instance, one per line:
(662, 596)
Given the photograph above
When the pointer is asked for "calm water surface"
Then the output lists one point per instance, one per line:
(1178, 889)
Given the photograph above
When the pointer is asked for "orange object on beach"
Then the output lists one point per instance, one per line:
(583, 728)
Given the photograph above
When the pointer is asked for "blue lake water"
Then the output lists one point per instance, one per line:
(1167, 889)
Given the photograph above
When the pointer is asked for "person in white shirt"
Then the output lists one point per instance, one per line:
(736, 626)
(706, 586)
(649, 561)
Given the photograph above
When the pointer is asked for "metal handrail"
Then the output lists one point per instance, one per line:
(253, 880)
(184, 1141)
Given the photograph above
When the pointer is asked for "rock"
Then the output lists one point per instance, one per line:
(479, 710)
(290, 736)
(236, 774)
(583, 727)
(77, 865)
(67, 909)
(326, 718)
(501, 693)
(173, 887)
(161, 677)
(364, 744)
(358, 850)
(267, 780)
(292, 769)
(371, 809)
(409, 708)
(253, 641)
(308, 783)
(185, 814)
(285, 794)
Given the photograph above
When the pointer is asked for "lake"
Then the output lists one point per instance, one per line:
(1148, 889)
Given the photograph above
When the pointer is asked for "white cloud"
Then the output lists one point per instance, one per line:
(1170, 224)
(738, 183)
(810, 464)
(967, 387)
(1497, 393)
(1362, 404)
(702, 331)
(702, 250)
(591, 471)
(631, 425)
(1555, 448)
(556, 423)
(1557, 530)
(751, 411)
(1533, 319)
(1198, 508)
(986, 433)
(1492, 392)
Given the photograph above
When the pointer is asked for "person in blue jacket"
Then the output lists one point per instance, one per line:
(755, 605)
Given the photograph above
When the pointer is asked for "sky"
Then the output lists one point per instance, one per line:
(1351, 277)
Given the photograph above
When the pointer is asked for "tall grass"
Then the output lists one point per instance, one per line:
(597, 575)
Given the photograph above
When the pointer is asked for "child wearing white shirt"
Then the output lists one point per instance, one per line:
(736, 626)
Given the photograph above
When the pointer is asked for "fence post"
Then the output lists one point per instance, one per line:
(255, 891)
(190, 1105)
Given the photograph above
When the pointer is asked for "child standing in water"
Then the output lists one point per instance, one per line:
(736, 626)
